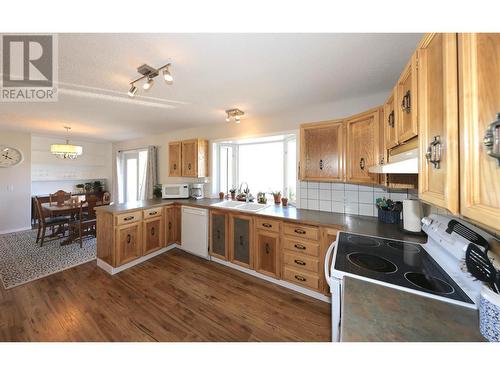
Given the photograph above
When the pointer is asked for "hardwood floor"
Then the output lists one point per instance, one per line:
(172, 297)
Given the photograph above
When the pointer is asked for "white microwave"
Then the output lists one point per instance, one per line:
(174, 191)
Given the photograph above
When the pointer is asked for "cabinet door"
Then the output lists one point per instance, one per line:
(128, 242)
(389, 123)
(174, 159)
(189, 158)
(218, 234)
(241, 242)
(321, 151)
(406, 102)
(152, 235)
(178, 224)
(170, 225)
(267, 253)
(362, 146)
(438, 120)
(479, 76)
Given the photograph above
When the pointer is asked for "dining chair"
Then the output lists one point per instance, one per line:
(59, 197)
(85, 224)
(45, 222)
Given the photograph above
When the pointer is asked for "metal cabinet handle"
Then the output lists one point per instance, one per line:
(129, 238)
(300, 278)
(153, 213)
(189, 166)
(267, 225)
(218, 234)
(406, 102)
(433, 154)
(492, 140)
(267, 248)
(299, 246)
(128, 218)
(382, 160)
(300, 262)
(300, 231)
(153, 231)
(362, 164)
(169, 225)
(321, 164)
(241, 240)
(175, 166)
(390, 119)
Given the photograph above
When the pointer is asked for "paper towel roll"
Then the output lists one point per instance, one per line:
(412, 214)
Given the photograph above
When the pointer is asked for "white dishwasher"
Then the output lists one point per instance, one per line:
(194, 232)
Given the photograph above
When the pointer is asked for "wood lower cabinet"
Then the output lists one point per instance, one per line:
(174, 159)
(241, 240)
(362, 146)
(194, 155)
(219, 231)
(479, 101)
(128, 243)
(152, 235)
(438, 121)
(172, 225)
(322, 151)
(406, 102)
(267, 253)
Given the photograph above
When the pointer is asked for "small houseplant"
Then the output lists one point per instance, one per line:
(157, 191)
(88, 187)
(80, 187)
(284, 201)
(233, 193)
(277, 197)
(97, 186)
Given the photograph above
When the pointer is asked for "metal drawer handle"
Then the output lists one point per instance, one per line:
(267, 248)
(129, 238)
(300, 231)
(433, 154)
(321, 164)
(128, 218)
(299, 246)
(300, 278)
(390, 119)
(153, 213)
(299, 262)
(362, 164)
(153, 231)
(492, 140)
(267, 225)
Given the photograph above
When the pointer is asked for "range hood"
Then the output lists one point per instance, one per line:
(403, 163)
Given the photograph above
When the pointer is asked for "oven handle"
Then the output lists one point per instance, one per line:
(328, 255)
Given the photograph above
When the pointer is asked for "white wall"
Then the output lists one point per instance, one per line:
(15, 185)
(50, 174)
(250, 126)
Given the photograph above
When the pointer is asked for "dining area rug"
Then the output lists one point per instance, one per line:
(23, 260)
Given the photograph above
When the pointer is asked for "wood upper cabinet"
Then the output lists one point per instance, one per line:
(194, 156)
(128, 242)
(241, 240)
(362, 146)
(219, 232)
(438, 120)
(152, 235)
(174, 159)
(267, 253)
(172, 225)
(479, 98)
(321, 151)
(388, 125)
(406, 102)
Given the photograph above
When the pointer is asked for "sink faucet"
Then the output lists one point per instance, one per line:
(246, 191)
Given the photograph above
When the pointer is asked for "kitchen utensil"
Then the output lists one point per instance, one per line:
(480, 266)
(412, 214)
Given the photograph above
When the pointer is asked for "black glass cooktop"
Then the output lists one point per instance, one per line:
(400, 263)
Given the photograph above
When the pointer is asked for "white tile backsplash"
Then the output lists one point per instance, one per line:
(346, 198)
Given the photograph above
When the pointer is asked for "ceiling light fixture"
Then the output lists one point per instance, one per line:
(235, 113)
(147, 72)
(67, 150)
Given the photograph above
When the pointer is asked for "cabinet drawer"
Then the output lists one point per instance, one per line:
(304, 247)
(152, 212)
(302, 231)
(301, 278)
(272, 225)
(301, 261)
(129, 217)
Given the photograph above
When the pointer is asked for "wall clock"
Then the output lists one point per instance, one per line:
(10, 156)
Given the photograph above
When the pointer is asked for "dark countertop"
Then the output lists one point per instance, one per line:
(373, 312)
(350, 223)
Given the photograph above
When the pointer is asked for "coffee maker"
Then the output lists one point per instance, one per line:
(197, 191)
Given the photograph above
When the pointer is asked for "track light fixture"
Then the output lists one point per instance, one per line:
(235, 113)
(148, 73)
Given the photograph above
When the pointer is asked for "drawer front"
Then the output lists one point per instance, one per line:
(301, 278)
(303, 247)
(127, 218)
(271, 225)
(301, 261)
(302, 231)
(152, 212)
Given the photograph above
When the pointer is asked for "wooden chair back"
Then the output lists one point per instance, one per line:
(59, 197)
(91, 204)
(39, 212)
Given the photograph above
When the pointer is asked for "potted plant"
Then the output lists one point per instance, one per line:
(284, 201)
(88, 187)
(277, 197)
(233, 193)
(261, 198)
(157, 191)
(97, 186)
(80, 187)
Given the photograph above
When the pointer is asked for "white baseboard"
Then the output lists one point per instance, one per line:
(114, 270)
(282, 283)
(14, 230)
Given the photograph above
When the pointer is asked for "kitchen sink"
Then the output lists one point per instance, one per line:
(229, 204)
(253, 207)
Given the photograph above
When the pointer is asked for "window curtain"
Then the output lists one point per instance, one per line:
(118, 182)
(151, 175)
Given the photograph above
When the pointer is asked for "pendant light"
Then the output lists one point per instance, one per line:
(67, 150)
